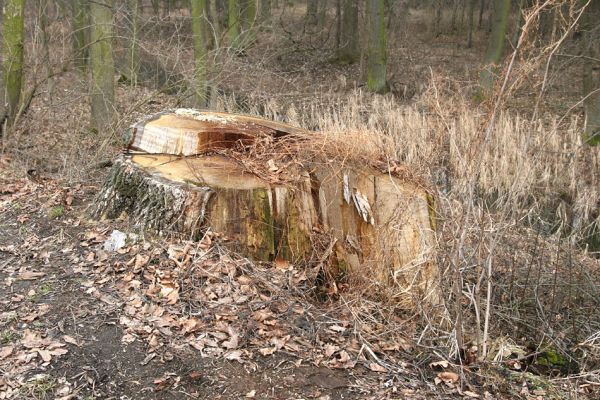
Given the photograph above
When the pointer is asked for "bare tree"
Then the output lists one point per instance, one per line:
(12, 45)
(495, 47)
(591, 72)
(102, 64)
(199, 30)
(376, 66)
(348, 50)
(79, 25)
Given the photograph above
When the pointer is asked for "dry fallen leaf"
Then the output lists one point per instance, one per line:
(30, 275)
(70, 340)
(448, 377)
(441, 363)
(235, 355)
(267, 351)
(377, 368)
(6, 351)
(251, 394)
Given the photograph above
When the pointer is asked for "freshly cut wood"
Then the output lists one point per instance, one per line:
(188, 132)
(375, 224)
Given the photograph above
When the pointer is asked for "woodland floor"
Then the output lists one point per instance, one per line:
(168, 319)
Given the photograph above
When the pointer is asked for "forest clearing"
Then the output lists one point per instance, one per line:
(301, 199)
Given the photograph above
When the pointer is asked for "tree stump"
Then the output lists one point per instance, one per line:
(187, 171)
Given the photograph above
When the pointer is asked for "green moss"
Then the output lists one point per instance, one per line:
(56, 212)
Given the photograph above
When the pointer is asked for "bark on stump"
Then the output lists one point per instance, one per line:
(380, 226)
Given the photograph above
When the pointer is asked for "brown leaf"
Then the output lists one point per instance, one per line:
(267, 351)
(30, 275)
(235, 355)
(448, 377)
(441, 364)
(330, 349)
(6, 351)
(70, 340)
(45, 354)
(233, 341)
(377, 368)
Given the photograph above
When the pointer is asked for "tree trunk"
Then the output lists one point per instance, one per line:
(79, 27)
(495, 46)
(471, 12)
(265, 12)
(348, 51)
(233, 23)
(376, 63)
(42, 26)
(312, 7)
(348, 220)
(481, 11)
(248, 20)
(591, 73)
(199, 31)
(132, 47)
(102, 64)
(156, 8)
(338, 24)
(12, 45)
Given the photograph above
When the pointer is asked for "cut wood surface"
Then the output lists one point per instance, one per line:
(375, 224)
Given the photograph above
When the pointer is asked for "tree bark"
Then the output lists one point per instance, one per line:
(349, 219)
(312, 7)
(265, 12)
(495, 48)
(132, 47)
(471, 12)
(233, 23)
(348, 50)
(248, 21)
(376, 63)
(102, 64)
(591, 73)
(80, 26)
(12, 45)
(199, 30)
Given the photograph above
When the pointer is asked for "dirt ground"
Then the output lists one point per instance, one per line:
(71, 329)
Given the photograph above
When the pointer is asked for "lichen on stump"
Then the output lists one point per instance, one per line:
(271, 190)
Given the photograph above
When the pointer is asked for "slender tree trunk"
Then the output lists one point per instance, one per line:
(43, 23)
(265, 12)
(80, 26)
(591, 73)
(312, 7)
(454, 13)
(437, 23)
(233, 23)
(156, 8)
(470, 12)
(349, 51)
(481, 10)
(248, 13)
(198, 28)
(495, 46)
(132, 46)
(518, 24)
(214, 30)
(248, 17)
(102, 64)
(376, 66)
(338, 24)
(12, 45)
